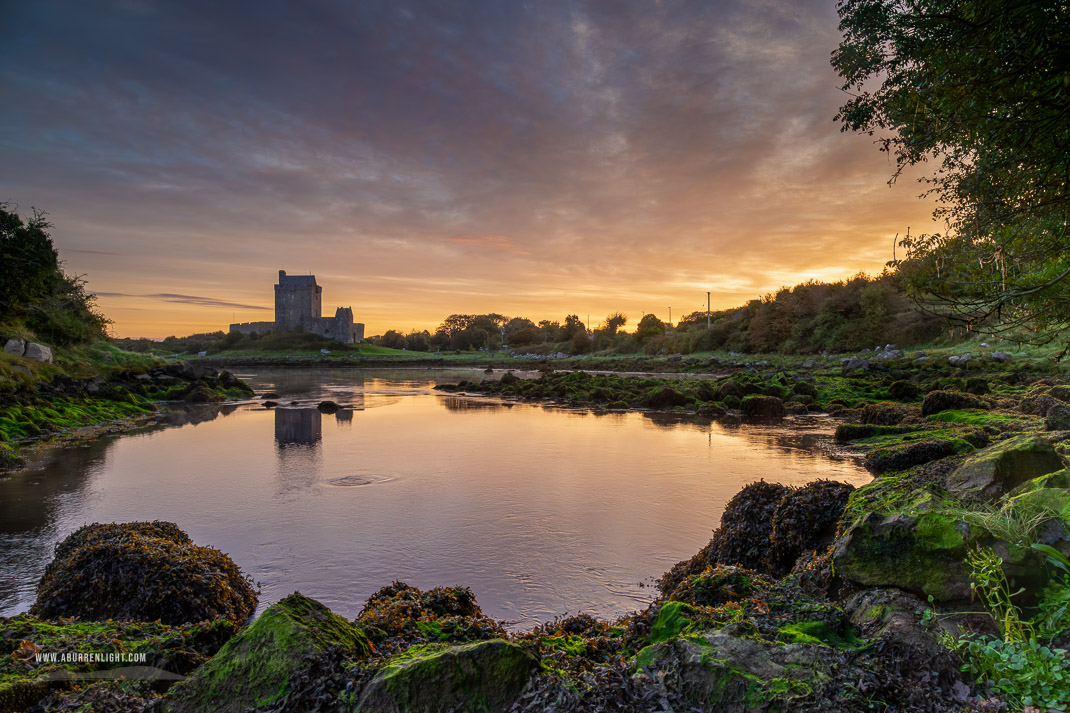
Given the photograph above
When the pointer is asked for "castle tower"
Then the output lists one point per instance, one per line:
(297, 302)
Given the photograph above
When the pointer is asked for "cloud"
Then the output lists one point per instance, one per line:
(185, 299)
(533, 148)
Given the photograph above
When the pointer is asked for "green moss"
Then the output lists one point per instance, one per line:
(976, 417)
(817, 633)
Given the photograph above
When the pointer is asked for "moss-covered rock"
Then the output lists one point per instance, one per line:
(142, 571)
(903, 390)
(719, 584)
(885, 413)
(988, 474)
(899, 452)
(720, 671)
(480, 676)
(1057, 418)
(1058, 479)
(254, 669)
(920, 550)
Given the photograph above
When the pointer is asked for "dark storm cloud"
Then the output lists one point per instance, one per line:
(533, 137)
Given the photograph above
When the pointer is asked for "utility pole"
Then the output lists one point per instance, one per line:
(707, 310)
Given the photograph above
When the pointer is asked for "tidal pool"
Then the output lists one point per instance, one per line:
(541, 510)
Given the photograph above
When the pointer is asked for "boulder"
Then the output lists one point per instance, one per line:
(1038, 403)
(38, 352)
(918, 550)
(888, 355)
(988, 474)
(1058, 479)
(200, 393)
(999, 357)
(15, 346)
(255, 669)
(327, 407)
(937, 401)
(885, 413)
(762, 407)
(719, 671)
(923, 447)
(960, 361)
(486, 676)
(142, 571)
(1057, 418)
(855, 363)
(902, 390)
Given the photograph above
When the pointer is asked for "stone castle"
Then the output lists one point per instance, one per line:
(298, 308)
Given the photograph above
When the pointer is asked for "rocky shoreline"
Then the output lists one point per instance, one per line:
(937, 587)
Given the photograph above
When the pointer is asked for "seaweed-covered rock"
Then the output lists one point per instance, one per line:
(142, 571)
(399, 614)
(719, 671)
(742, 538)
(923, 447)
(855, 431)
(662, 397)
(902, 390)
(805, 520)
(884, 414)
(757, 406)
(479, 676)
(1038, 403)
(1057, 418)
(719, 584)
(201, 393)
(937, 401)
(254, 669)
(989, 474)
(804, 388)
(977, 386)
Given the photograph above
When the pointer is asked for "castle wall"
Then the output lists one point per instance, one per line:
(253, 327)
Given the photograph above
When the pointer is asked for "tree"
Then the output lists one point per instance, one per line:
(35, 293)
(982, 87)
(614, 322)
(648, 328)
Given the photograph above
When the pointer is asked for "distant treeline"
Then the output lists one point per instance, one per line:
(38, 299)
(809, 318)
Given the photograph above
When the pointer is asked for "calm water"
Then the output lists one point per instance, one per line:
(540, 510)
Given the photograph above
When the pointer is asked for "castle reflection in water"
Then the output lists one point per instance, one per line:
(298, 427)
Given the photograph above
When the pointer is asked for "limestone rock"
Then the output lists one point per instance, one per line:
(855, 363)
(480, 676)
(999, 357)
(1058, 479)
(889, 354)
(38, 352)
(15, 346)
(989, 474)
(253, 670)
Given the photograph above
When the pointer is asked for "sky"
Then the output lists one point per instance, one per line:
(534, 158)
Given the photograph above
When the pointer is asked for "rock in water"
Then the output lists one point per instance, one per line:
(142, 571)
(481, 676)
(253, 670)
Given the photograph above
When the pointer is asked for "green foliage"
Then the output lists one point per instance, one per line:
(979, 88)
(35, 294)
(1020, 665)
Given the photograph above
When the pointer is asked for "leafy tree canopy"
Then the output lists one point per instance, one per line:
(981, 88)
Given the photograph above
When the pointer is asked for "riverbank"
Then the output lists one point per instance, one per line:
(92, 391)
(813, 598)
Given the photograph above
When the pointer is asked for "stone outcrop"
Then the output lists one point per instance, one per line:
(987, 475)
(479, 676)
(38, 352)
(254, 669)
(937, 401)
(15, 346)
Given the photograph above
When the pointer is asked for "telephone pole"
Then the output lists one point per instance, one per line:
(707, 310)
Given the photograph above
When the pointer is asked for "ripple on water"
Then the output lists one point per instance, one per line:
(348, 481)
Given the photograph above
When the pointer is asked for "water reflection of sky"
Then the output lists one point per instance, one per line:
(541, 510)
